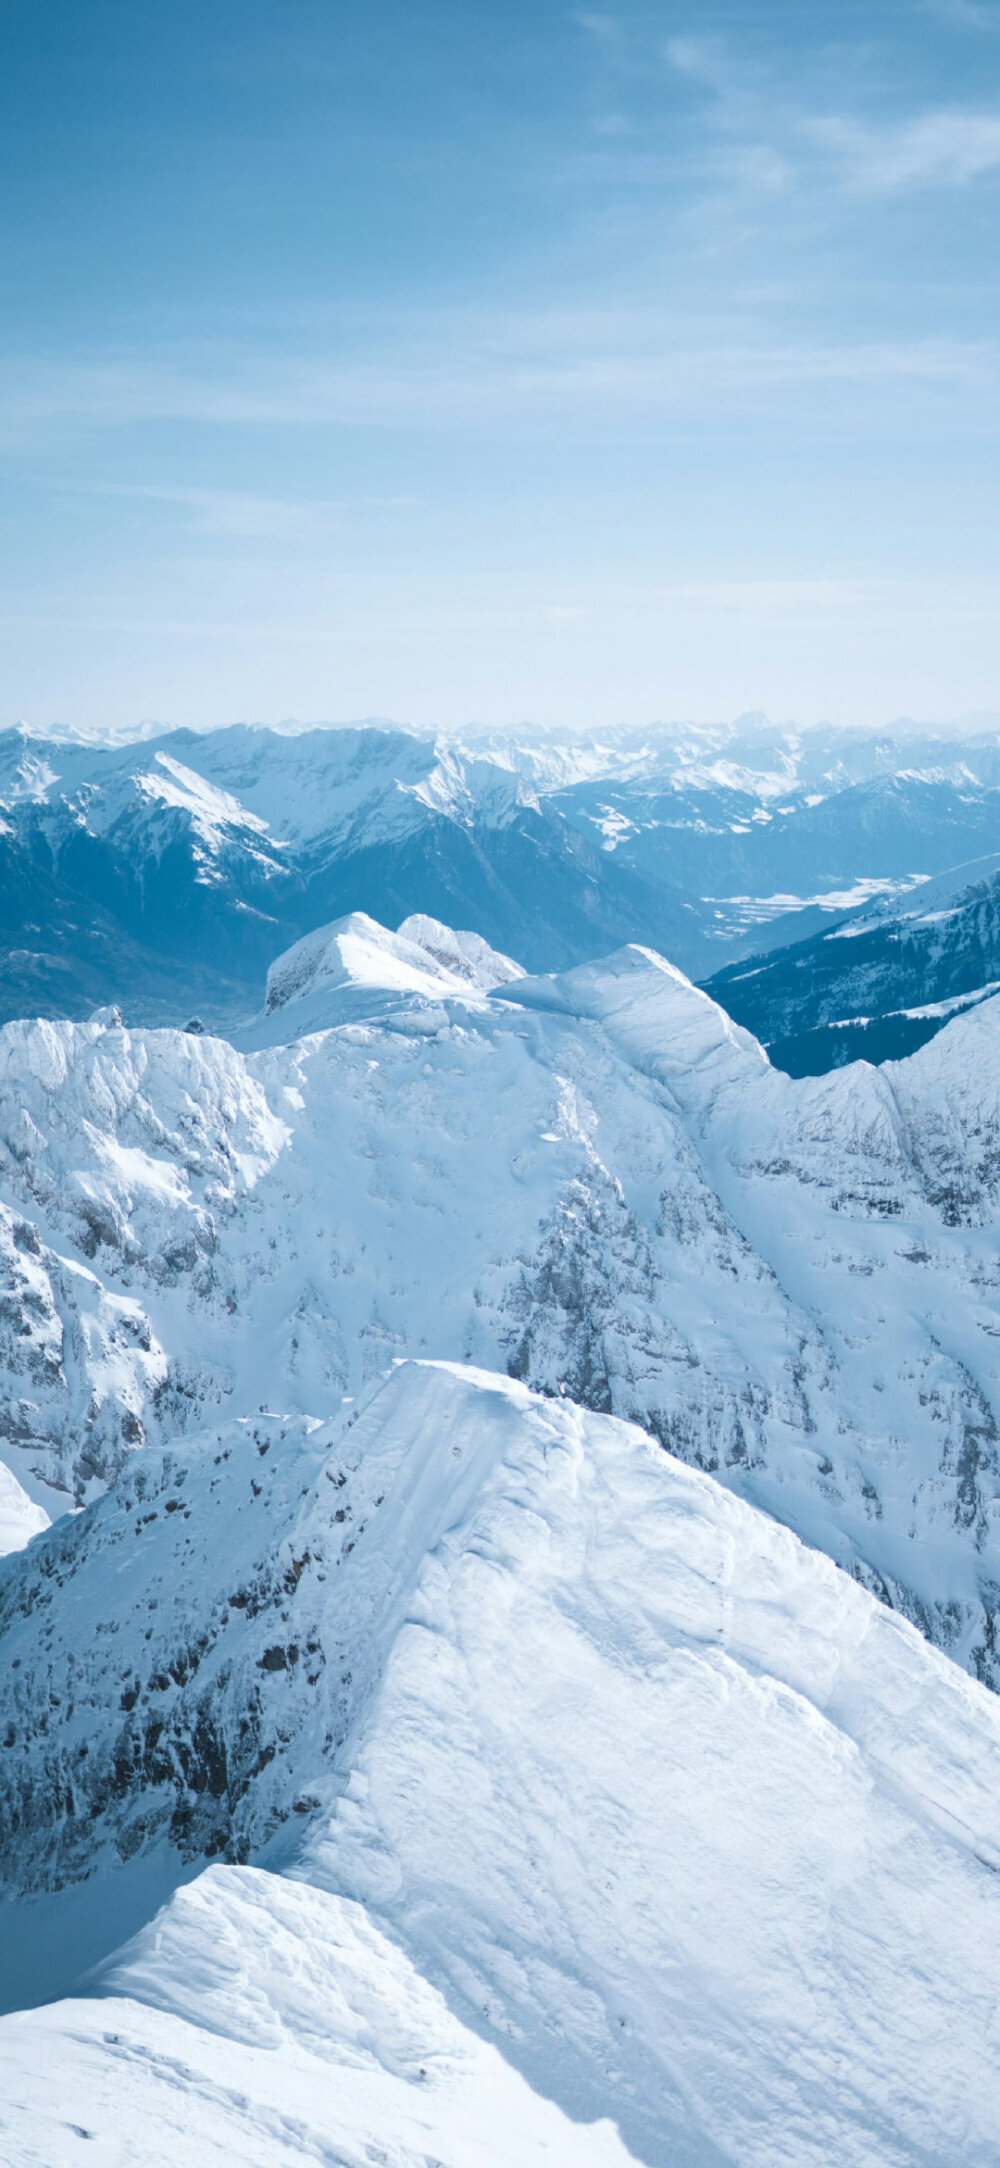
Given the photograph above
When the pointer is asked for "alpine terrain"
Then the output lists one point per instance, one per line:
(523, 1589)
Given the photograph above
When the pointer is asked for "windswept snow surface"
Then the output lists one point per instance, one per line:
(264, 2024)
(596, 1183)
(633, 1811)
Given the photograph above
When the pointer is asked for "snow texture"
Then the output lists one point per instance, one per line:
(627, 1787)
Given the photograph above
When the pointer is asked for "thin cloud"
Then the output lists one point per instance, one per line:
(774, 138)
(605, 27)
(969, 15)
(703, 60)
(243, 515)
(944, 150)
(507, 371)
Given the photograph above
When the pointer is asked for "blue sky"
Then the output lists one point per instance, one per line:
(498, 363)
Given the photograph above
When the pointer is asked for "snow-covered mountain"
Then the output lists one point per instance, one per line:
(594, 1182)
(589, 1799)
(165, 875)
(881, 982)
(519, 1433)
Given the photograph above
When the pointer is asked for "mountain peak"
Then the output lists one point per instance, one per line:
(423, 957)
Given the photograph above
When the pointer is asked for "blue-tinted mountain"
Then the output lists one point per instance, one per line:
(880, 983)
(165, 876)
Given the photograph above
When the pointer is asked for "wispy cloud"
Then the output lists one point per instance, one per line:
(944, 149)
(244, 515)
(969, 15)
(556, 365)
(704, 60)
(771, 135)
(607, 28)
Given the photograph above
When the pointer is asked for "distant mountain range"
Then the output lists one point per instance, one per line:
(164, 875)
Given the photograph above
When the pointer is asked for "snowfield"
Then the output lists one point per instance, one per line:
(639, 1831)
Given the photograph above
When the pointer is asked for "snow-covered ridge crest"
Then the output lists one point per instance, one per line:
(422, 957)
(651, 1010)
(365, 2063)
(215, 814)
(421, 1641)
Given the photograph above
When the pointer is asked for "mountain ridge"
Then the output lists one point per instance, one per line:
(611, 1195)
(560, 1611)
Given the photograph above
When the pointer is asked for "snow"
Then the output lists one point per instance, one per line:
(424, 957)
(20, 1519)
(926, 900)
(650, 1009)
(595, 1181)
(638, 1814)
(269, 2024)
(475, 1387)
(358, 786)
(355, 968)
(747, 911)
(213, 812)
(952, 1007)
(727, 775)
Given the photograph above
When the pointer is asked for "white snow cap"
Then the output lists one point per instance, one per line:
(424, 957)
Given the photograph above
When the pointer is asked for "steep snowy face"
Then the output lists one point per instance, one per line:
(466, 955)
(595, 1183)
(123, 1148)
(182, 1656)
(347, 789)
(662, 1801)
(78, 1360)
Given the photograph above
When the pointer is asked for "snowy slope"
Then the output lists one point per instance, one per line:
(268, 2024)
(675, 1816)
(595, 1183)
(20, 1517)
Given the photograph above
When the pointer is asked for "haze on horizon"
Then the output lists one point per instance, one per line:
(468, 364)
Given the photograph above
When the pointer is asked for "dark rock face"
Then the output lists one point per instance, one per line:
(164, 1651)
